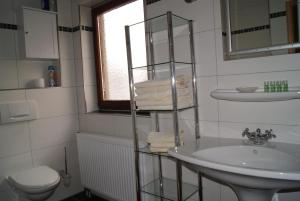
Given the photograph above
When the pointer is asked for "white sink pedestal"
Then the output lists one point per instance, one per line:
(246, 194)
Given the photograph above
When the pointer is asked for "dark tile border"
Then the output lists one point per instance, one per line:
(87, 28)
(278, 14)
(65, 29)
(247, 30)
(8, 26)
(148, 2)
(74, 29)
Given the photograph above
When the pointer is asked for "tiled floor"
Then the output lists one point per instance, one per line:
(83, 197)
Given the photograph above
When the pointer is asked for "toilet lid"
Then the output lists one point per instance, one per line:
(37, 177)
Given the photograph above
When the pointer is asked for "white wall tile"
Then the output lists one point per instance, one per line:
(208, 107)
(89, 71)
(87, 44)
(77, 45)
(91, 99)
(217, 14)
(7, 12)
(97, 123)
(64, 9)
(8, 74)
(10, 165)
(205, 53)
(123, 126)
(79, 71)
(30, 70)
(28, 3)
(54, 101)
(68, 72)
(66, 45)
(53, 131)
(86, 16)
(12, 95)
(81, 100)
(75, 12)
(199, 11)
(209, 129)
(8, 43)
(14, 139)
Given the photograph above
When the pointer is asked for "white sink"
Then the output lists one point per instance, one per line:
(253, 172)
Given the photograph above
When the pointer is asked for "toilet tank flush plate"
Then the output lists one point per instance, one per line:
(17, 111)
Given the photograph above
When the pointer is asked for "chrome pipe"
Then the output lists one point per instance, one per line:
(133, 114)
(228, 24)
(200, 187)
(161, 183)
(194, 81)
(173, 78)
(152, 62)
(179, 180)
(174, 100)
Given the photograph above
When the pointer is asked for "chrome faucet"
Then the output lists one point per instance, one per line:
(257, 137)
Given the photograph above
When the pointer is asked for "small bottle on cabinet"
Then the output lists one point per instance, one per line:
(51, 76)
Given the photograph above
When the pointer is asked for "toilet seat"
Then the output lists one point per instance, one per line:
(35, 179)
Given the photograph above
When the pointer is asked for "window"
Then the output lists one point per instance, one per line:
(110, 50)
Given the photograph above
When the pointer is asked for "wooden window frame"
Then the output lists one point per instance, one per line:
(106, 105)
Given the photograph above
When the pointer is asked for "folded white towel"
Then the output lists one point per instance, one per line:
(162, 94)
(162, 144)
(161, 89)
(181, 80)
(159, 150)
(164, 101)
(162, 137)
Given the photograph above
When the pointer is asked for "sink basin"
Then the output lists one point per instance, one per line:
(253, 172)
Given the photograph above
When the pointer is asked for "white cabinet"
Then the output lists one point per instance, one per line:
(39, 34)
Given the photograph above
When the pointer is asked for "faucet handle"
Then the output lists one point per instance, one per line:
(245, 132)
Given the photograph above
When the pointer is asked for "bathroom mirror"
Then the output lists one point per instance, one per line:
(252, 28)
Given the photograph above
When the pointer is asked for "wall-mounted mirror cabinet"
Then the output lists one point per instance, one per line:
(252, 28)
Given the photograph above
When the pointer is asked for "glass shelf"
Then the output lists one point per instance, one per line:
(159, 23)
(165, 110)
(164, 66)
(169, 189)
(146, 150)
(258, 96)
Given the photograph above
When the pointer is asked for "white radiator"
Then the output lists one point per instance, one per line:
(107, 165)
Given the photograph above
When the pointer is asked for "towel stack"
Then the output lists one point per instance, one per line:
(162, 141)
(157, 94)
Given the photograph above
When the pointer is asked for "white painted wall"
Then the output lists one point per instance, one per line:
(39, 142)
(217, 118)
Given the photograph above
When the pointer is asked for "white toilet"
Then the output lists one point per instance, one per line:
(37, 184)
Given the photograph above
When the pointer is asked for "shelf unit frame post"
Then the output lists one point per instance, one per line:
(156, 119)
(133, 114)
(195, 98)
(174, 100)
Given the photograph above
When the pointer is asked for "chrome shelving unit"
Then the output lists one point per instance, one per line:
(163, 188)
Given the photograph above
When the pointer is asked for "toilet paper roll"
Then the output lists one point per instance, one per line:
(39, 83)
